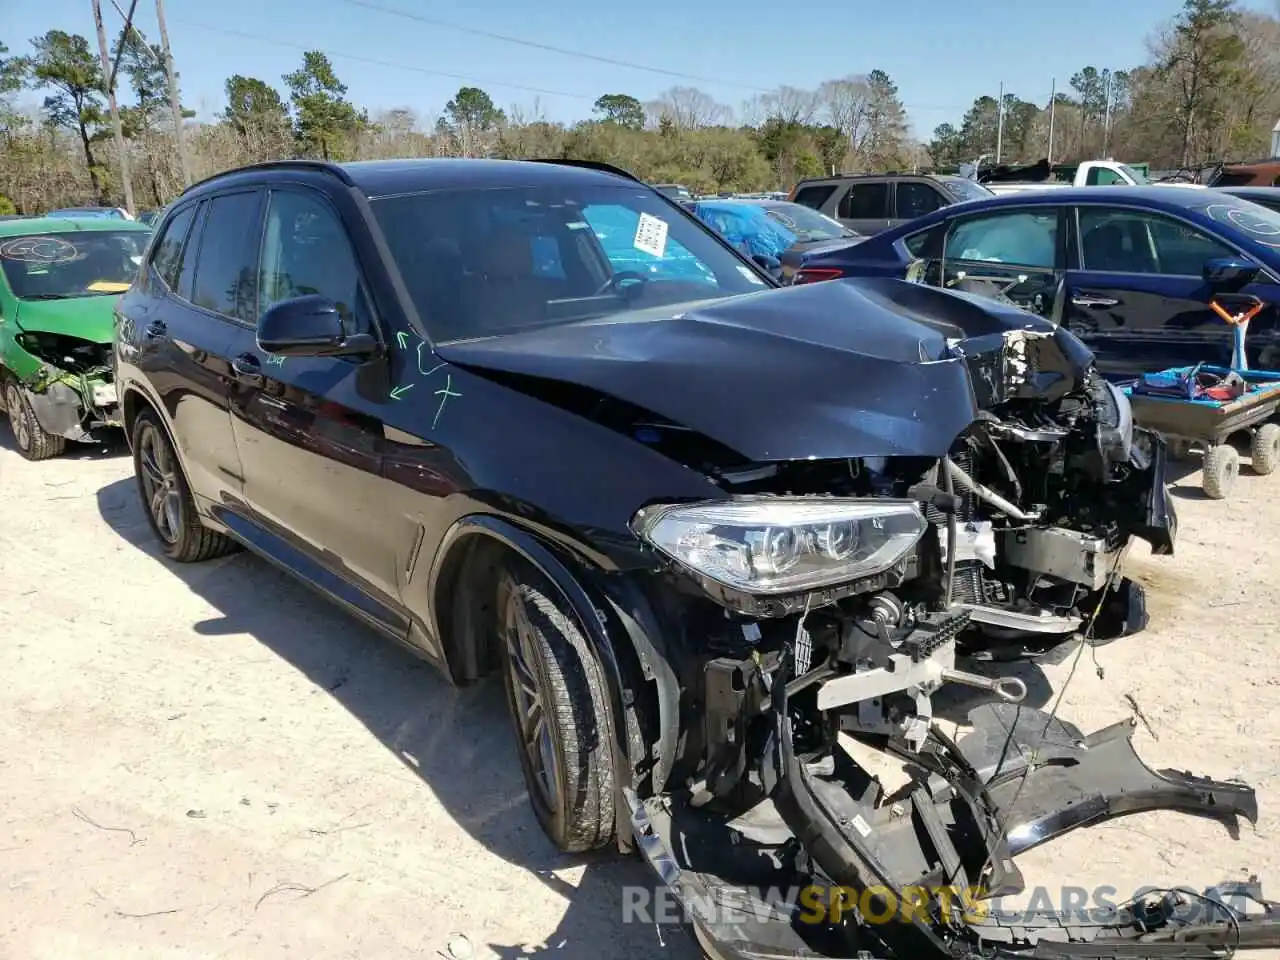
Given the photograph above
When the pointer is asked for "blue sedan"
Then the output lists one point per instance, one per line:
(1130, 270)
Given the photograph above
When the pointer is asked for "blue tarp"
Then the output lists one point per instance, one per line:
(746, 226)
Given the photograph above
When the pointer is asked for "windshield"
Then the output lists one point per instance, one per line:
(481, 263)
(78, 264)
(1252, 220)
(962, 188)
(806, 223)
(1133, 174)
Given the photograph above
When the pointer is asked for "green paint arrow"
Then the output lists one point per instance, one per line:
(399, 392)
(402, 338)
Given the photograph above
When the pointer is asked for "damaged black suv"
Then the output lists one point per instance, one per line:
(533, 418)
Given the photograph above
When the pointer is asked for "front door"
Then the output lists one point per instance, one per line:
(1137, 295)
(308, 429)
(1015, 252)
(864, 207)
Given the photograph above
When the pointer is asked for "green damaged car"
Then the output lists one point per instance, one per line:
(60, 280)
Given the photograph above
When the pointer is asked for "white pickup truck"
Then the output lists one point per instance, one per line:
(1090, 173)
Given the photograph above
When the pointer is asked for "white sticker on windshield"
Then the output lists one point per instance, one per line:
(651, 235)
(578, 225)
(137, 261)
(746, 272)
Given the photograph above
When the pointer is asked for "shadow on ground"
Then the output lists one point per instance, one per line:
(452, 738)
(113, 444)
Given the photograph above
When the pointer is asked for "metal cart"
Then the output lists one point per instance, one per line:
(1212, 423)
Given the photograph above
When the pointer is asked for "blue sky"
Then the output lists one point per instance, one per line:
(941, 54)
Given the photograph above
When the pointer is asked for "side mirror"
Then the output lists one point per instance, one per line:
(1229, 274)
(309, 326)
(771, 265)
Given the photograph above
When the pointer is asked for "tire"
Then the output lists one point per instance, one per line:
(1265, 449)
(551, 676)
(31, 439)
(166, 497)
(1220, 470)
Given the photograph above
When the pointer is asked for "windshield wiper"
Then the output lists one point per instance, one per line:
(49, 296)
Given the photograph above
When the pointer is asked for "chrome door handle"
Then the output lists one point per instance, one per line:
(1081, 300)
(247, 369)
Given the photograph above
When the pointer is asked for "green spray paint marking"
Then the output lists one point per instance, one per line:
(402, 338)
(399, 392)
(275, 361)
(421, 368)
(444, 396)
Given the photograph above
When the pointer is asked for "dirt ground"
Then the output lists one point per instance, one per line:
(209, 761)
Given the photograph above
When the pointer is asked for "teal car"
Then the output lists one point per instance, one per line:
(60, 279)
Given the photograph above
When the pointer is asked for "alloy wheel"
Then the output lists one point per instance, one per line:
(162, 498)
(17, 419)
(528, 706)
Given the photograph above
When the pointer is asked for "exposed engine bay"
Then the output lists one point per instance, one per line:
(1024, 527)
(72, 393)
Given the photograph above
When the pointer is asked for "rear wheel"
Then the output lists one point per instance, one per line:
(1265, 449)
(32, 440)
(559, 709)
(166, 497)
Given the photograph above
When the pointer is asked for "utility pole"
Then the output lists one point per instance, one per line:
(1000, 124)
(174, 103)
(1053, 105)
(107, 77)
(1106, 117)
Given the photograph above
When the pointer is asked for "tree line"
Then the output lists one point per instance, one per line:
(1209, 90)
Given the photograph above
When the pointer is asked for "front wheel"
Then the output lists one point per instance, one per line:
(32, 440)
(166, 497)
(560, 712)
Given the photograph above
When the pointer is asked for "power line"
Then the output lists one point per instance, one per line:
(534, 44)
(381, 63)
(466, 78)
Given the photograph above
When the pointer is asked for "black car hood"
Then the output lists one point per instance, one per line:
(851, 368)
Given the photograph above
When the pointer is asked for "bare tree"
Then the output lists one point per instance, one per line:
(687, 108)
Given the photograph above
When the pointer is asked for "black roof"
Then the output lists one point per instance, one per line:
(381, 178)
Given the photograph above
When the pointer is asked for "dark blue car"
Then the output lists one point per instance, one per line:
(1130, 270)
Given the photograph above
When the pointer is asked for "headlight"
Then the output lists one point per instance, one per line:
(777, 545)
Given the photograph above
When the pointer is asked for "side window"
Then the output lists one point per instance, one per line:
(226, 278)
(306, 250)
(1026, 238)
(166, 256)
(815, 196)
(191, 251)
(915, 243)
(546, 257)
(915, 199)
(1103, 177)
(1125, 241)
(865, 201)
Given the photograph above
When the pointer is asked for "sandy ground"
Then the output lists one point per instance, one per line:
(209, 761)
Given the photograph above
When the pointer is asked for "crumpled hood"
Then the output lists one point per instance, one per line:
(851, 368)
(88, 318)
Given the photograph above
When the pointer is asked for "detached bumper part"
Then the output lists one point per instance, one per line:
(61, 410)
(1040, 778)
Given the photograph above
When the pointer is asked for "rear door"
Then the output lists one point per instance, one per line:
(179, 349)
(1137, 296)
(864, 206)
(1016, 251)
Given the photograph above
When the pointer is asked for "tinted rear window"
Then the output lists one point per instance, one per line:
(815, 196)
(226, 273)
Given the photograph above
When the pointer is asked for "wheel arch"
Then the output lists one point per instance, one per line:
(473, 552)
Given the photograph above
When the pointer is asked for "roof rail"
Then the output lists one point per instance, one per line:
(589, 165)
(320, 166)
